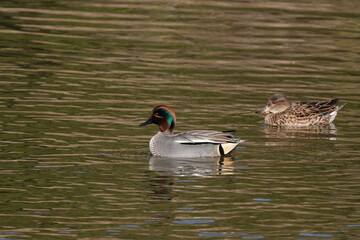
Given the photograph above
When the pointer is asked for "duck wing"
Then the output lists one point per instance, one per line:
(206, 136)
(302, 109)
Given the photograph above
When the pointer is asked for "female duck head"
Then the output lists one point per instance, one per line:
(163, 116)
(276, 104)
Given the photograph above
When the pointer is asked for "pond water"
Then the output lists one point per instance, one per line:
(77, 77)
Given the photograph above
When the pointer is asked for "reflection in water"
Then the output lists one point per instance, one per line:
(169, 168)
(327, 132)
(162, 188)
(310, 132)
(192, 166)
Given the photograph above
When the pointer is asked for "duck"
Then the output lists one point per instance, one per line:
(280, 111)
(190, 144)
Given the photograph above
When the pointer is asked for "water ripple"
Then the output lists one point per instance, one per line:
(78, 77)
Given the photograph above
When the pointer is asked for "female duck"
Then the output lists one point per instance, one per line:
(191, 144)
(280, 111)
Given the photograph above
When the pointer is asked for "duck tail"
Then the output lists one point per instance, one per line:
(333, 101)
(226, 148)
(334, 113)
(340, 107)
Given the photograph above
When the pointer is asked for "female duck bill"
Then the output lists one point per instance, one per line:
(262, 111)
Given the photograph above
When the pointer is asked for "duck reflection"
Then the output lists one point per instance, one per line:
(170, 169)
(162, 188)
(192, 167)
(327, 132)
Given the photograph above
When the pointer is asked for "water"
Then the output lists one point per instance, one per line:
(77, 77)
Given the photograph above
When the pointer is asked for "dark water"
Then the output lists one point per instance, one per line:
(77, 77)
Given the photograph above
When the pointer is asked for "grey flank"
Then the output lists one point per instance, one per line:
(193, 144)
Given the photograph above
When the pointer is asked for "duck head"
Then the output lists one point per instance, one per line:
(276, 103)
(163, 116)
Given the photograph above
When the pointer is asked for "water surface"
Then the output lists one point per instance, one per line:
(77, 77)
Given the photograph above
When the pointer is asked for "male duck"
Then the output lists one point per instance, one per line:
(191, 144)
(280, 111)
